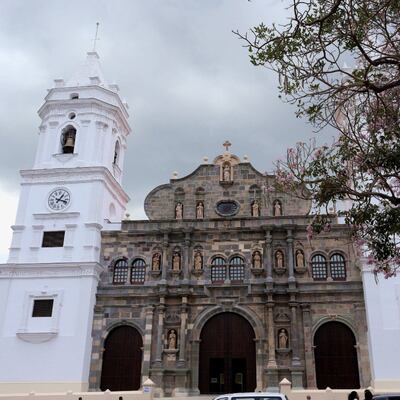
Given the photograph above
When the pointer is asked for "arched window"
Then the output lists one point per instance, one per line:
(236, 269)
(319, 268)
(120, 271)
(338, 267)
(218, 270)
(138, 271)
(68, 136)
(116, 153)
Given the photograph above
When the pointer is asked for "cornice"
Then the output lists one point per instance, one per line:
(90, 101)
(50, 270)
(73, 175)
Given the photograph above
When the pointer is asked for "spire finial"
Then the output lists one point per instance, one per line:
(227, 144)
(95, 36)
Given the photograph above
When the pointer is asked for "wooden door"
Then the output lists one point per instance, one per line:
(336, 362)
(122, 359)
(227, 355)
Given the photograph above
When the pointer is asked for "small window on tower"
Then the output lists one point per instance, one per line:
(53, 239)
(68, 140)
(42, 308)
(116, 153)
(74, 96)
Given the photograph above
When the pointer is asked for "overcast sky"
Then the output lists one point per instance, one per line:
(187, 79)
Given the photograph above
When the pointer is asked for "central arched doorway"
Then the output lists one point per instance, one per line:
(336, 364)
(122, 359)
(227, 355)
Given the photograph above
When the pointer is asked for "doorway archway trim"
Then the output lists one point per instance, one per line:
(337, 318)
(244, 312)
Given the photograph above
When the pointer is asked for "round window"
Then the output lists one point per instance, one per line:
(227, 208)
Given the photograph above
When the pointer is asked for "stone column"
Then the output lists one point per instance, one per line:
(259, 363)
(272, 367)
(290, 255)
(195, 358)
(268, 255)
(308, 347)
(147, 343)
(165, 260)
(297, 374)
(160, 328)
(182, 338)
(186, 257)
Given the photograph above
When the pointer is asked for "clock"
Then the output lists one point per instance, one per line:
(59, 199)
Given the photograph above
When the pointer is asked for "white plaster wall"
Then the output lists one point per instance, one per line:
(82, 220)
(383, 315)
(64, 358)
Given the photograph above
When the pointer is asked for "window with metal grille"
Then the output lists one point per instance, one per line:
(120, 271)
(218, 270)
(338, 267)
(42, 308)
(236, 269)
(53, 239)
(318, 267)
(138, 271)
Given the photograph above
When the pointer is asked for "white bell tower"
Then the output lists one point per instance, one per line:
(48, 286)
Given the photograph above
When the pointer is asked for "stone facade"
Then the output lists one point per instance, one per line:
(273, 288)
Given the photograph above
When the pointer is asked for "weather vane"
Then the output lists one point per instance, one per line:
(95, 36)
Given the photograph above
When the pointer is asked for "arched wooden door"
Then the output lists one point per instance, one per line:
(336, 363)
(227, 361)
(122, 359)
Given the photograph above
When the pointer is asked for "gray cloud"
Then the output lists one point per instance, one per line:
(187, 79)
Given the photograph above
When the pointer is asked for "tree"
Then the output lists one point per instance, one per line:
(310, 54)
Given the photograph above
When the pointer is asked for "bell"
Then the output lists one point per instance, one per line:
(69, 145)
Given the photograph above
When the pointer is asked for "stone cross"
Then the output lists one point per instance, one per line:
(227, 144)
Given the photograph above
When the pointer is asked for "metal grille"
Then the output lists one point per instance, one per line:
(338, 267)
(138, 271)
(318, 267)
(236, 269)
(120, 271)
(218, 270)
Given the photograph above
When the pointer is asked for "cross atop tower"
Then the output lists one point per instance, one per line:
(95, 36)
(227, 144)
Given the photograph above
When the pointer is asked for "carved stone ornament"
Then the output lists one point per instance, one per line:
(279, 264)
(172, 318)
(281, 317)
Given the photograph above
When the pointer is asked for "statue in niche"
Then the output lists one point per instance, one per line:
(277, 209)
(257, 260)
(279, 259)
(299, 259)
(226, 172)
(156, 262)
(179, 211)
(200, 210)
(176, 262)
(172, 340)
(198, 261)
(283, 339)
(255, 209)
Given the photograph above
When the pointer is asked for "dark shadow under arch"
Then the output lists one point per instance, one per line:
(336, 364)
(122, 359)
(227, 359)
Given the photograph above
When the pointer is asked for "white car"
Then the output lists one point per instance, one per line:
(252, 396)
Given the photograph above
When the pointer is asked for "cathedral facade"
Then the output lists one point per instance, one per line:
(220, 290)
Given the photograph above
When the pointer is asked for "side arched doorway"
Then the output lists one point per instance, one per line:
(336, 362)
(227, 360)
(122, 359)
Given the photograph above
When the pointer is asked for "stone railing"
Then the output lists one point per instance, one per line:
(145, 394)
(285, 387)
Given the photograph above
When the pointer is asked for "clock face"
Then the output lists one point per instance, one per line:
(59, 199)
